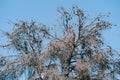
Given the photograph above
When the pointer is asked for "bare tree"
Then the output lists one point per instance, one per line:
(80, 55)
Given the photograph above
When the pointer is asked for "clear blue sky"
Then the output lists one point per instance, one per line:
(45, 11)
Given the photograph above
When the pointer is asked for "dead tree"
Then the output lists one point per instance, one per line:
(81, 54)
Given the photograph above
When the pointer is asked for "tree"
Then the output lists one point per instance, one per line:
(80, 54)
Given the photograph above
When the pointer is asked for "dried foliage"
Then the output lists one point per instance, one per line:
(80, 55)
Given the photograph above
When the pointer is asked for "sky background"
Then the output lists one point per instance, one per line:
(45, 11)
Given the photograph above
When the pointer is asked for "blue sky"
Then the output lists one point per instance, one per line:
(45, 11)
